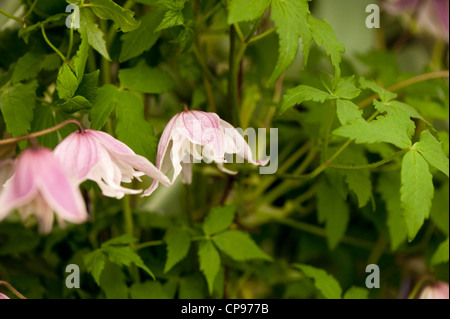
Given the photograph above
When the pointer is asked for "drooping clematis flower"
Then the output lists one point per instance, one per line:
(39, 187)
(192, 136)
(432, 16)
(97, 156)
(439, 290)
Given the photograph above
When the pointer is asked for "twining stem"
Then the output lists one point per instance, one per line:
(55, 49)
(30, 10)
(11, 16)
(128, 215)
(12, 289)
(161, 242)
(262, 35)
(43, 132)
(234, 63)
(406, 83)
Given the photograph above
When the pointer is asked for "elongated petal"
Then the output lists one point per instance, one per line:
(236, 144)
(57, 189)
(165, 141)
(203, 128)
(78, 153)
(21, 187)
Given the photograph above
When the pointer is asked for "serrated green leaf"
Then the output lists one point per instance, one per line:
(301, 94)
(324, 282)
(323, 35)
(75, 104)
(441, 254)
(389, 189)
(88, 86)
(172, 18)
(333, 210)
(431, 149)
(356, 293)
(109, 10)
(239, 246)
(246, 10)
(94, 33)
(125, 256)
(219, 219)
(113, 282)
(27, 67)
(103, 105)
(66, 83)
(416, 192)
(95, 263)
(347, 112)
(384, 95)
(79, 61)
(51, 62)
(120, 241)
(143, 38)
(145, 79)
(209, 260)
(132, 128)
(346, 89)
(17, 104)
(178, 244)
(43, 119)
(291, 22)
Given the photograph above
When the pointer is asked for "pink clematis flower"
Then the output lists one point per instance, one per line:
(192, 136)
(439, 290)
(40, 186)
(432, 16)
(2, 296)
(97, 156)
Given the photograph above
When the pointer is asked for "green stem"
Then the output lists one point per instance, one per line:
(373, 165)
(161, 242)
(30, 10)
(128, 215)
(232, 77)
(326, 143)
(210, 13)
(262, 35)
(55, 49)
(69, 50)
(11, 16)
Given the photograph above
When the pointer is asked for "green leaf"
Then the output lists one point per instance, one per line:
(389, 189)
(239, 246)
(75, 104)
(431, 149)
(209, 260)
(384, 95)
(346, 88)
(108, 10)
(27, 67)
(246, 10)
(325, 283)
(172, 18)
(17, 104)
(416, 192)
(291, 22)
(43, 119)
(88, 86)
(301, 94)
(57, 19)
(219, 219)
(348, 112)
(51, 62)
(66, 83)
(79, 61)
(120, 241)
(104, 104)
(333, 210)
(178, 243)
(145, 79)
(95, 262)
(323, 35)
(356, 293)
(441, 254)
(132, 128)
(113, 282)
(94, 33)
(124, 255)
(440, 208)
(134, 43)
